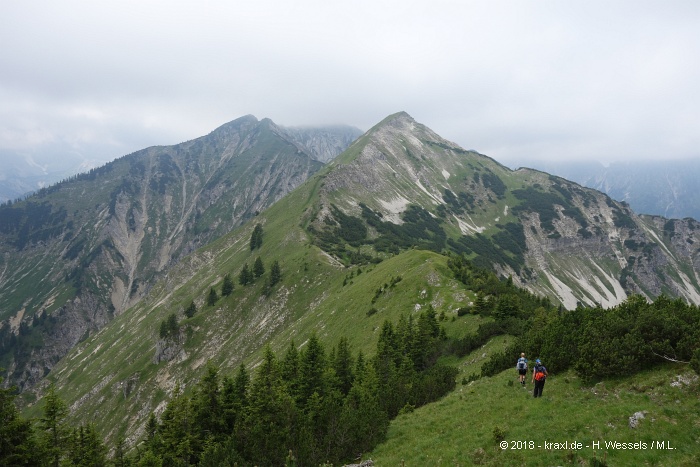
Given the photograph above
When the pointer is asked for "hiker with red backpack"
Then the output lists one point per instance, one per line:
(539, 375)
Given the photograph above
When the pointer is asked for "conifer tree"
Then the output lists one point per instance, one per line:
(172, 325)
(191, 309)
(207, 406)
(177, 432)
(275, 273)
(342, 364)
(53, 429)
(212, 297)
(227, 286)
(428, 330)
(246, 275)
(312, 366)
(151, 427)
(86, 448)
(150, 459)
(289, 369)
(481, 305)
(256, 238)
(234, 398)
(258, 267)
(120, 458)
(17, 444)
(269, 415)
(362, 411)
(386, 363)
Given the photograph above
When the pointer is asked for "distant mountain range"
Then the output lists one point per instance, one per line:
(22, 175)
(663, 188)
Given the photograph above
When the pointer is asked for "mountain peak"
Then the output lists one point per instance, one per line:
(246, 120)
(403, 115)
(400, 118)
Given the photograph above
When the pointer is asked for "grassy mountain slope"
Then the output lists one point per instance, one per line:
(463, 427)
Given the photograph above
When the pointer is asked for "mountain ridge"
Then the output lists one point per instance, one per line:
(338, 241)
(80, 252)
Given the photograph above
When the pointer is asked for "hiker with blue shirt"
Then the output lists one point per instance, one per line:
(539, 375)
(521, 366)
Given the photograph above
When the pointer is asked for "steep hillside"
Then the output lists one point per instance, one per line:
(647, 419)
(403, 185)
(342, 239)
(81, 252)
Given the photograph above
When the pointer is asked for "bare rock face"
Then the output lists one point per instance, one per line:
(169, 348)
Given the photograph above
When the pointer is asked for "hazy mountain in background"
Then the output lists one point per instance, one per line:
(665, 188)
(324, 143)
(23, 173)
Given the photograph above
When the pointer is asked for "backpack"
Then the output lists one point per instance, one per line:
(539, 373)
(522, 364)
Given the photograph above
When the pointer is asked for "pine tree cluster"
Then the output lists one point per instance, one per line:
(311, 406)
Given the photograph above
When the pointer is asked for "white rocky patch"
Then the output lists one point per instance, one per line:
(562, 291)
(445, 174)
(593, 292)
(617, 290)
(690, 292)
(16, 320)
(658, 240)
(432, 196)
(394, 208)
(466, 228)
(505, 210)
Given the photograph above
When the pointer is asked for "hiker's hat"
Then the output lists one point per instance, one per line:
(538, 361)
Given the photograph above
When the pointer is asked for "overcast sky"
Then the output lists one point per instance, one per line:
(604, 80)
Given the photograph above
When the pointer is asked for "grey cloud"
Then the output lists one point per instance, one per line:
(510, 79)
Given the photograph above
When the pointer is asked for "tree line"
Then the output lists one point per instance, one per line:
(49, 440)
(595, 342)
(308, 407)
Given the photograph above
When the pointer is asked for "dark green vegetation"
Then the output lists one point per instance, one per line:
(595, 342)
(50, 440)
(256, 238)
(169, 327)
(310, 406)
